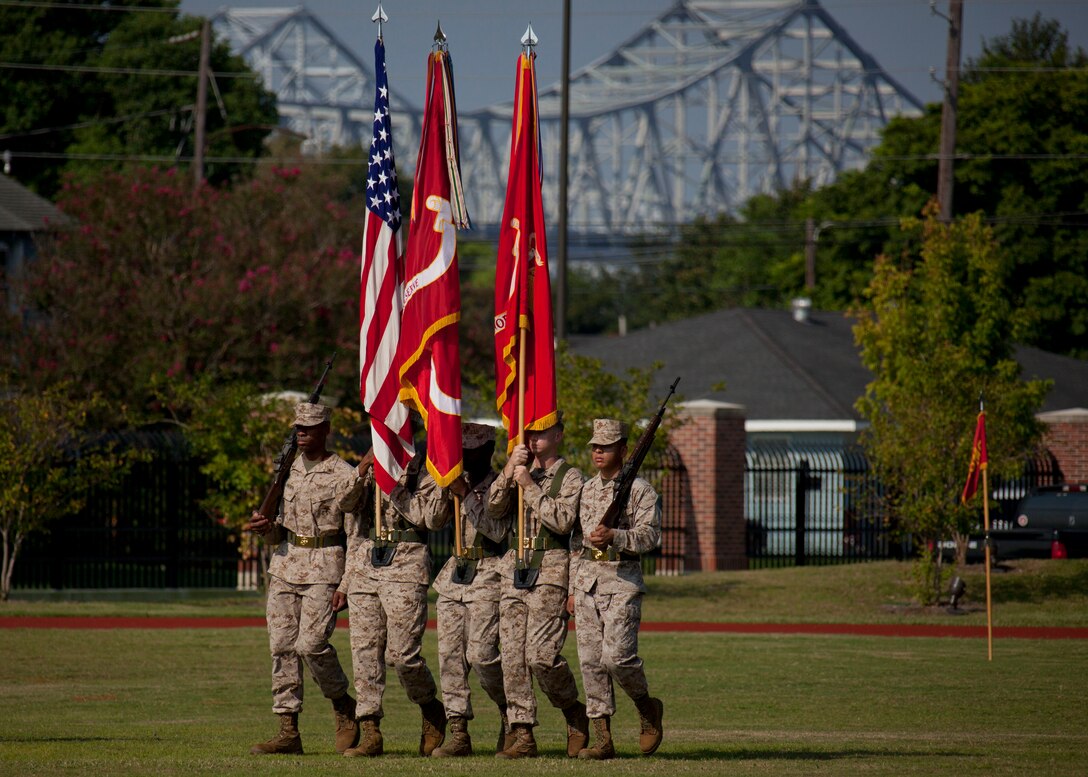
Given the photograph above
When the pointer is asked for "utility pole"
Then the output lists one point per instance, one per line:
(810, 254)
(203, 76)
(564, 157)
(948, 113)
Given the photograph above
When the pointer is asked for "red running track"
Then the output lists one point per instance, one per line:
(856, 629)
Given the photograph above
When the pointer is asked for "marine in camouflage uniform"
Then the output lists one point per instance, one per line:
(306, 567)
(533, 621)
(388, 604)
(606, 579)
(468, 598)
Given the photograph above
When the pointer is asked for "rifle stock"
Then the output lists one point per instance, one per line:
(282, 465)
(631, 466)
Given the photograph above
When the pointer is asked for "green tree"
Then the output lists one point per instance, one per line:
(120, 113)
(236, 433)
(49, 461)
(586, 391)
(1022, 139)
(161, 281)
(936, 333)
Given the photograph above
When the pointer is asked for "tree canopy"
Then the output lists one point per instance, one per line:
(97, 86)
(934, 330)
(1022, 160)
(164, 281)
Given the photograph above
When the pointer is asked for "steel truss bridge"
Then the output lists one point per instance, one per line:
(711, 103)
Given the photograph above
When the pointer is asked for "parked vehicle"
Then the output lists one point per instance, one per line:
(1047, 515)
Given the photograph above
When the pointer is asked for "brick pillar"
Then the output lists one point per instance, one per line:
(1067, 438)
(711, 444)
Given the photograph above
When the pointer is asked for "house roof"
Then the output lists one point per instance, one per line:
(782, 369)
(21, 210)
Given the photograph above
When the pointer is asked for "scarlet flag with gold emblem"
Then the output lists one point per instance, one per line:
(978, 459)
(523, 300)
(428, 354)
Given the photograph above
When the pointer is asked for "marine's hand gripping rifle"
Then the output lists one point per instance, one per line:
(631, 466)
(282, 465)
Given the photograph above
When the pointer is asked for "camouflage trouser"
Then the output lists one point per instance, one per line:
(532, 629)
(300, 623)
(387, 629)
(468, 636)
(607, 636)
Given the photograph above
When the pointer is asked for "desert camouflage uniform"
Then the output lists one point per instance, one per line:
(608, 594)
(302, 580)
(388, 605)
(533, 622)
(468, 615)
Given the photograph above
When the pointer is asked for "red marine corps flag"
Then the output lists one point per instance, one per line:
(524, 341)
(430, 371)
(978, 458)
(380, 290)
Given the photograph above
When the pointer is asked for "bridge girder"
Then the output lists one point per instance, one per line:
(711, 103)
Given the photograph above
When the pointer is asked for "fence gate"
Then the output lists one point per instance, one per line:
(812, 505)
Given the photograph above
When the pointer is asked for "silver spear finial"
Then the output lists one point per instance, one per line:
(439, 36)
(529, 39)
(379, 17)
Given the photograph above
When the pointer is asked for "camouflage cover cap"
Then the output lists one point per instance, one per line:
(308, 414)
(476, 435)
(607, 431)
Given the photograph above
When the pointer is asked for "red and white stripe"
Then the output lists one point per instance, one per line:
(379, 333)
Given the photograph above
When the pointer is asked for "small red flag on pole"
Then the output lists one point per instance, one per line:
(979, 460)
(430, 371)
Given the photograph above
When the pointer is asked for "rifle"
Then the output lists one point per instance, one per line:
(282, 464)
(630, 467)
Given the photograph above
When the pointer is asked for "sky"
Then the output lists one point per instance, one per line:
(904, 36)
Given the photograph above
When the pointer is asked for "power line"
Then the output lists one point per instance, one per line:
(71, 7)
(96, 122)
(124, 71)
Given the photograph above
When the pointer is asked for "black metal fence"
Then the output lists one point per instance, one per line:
(813, 505)
(149, 533)
(823, 505)
(667, 474)
(807, 505)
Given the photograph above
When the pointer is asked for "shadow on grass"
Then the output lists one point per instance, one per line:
(768, 754)
(1034, 588)
(77, 740)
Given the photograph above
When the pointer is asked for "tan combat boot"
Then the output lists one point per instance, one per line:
(602, 749)
(577, 728)
(347, 730)
(458, 743)
(506, 734)
(434, 726)
(370, 739)
(650, 711)
(287, 742)
(524, 745)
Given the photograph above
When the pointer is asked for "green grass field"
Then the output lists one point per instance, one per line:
(191, 702)
(1025, 593)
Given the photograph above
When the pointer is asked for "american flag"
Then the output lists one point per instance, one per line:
(380, 294)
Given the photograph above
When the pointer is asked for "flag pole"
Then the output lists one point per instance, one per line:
(458, 543)
(986, 534)
(521, 441)
(528, 40)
